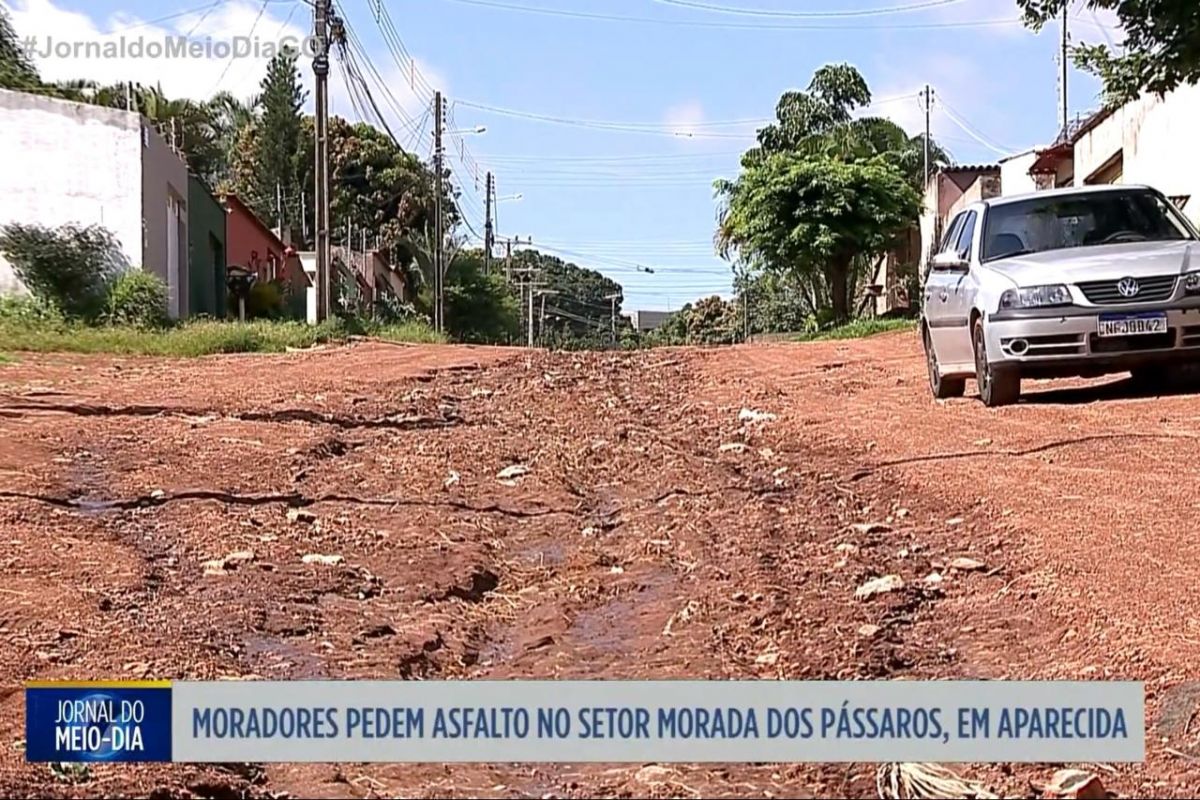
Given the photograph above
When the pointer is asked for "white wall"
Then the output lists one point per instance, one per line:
(1014, 174)
(1159, 138)
(69, 162)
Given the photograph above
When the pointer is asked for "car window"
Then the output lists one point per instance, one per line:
(1080, 220)
(951, 234)
(965, 236)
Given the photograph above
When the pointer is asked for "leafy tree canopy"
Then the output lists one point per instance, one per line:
(814, 213)
(480, 307)
(16, 69)
(69, 267)
(1161, 48)
(579, 301)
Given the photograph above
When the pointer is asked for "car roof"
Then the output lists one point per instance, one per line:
(1067, 192)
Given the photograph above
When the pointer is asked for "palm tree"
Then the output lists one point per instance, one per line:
(230, 117)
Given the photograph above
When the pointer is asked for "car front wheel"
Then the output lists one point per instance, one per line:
(942, 387)
(998, 386)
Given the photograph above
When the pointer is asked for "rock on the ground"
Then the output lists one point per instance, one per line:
(888, 583)
(323, 560)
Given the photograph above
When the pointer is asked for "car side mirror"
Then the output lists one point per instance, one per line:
(950, 262)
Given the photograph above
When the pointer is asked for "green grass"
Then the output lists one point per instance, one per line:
(857, 329)
(196, 338)
(5, 359)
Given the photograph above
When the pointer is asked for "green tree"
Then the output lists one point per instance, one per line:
(480, 308)
(277, 150)
(580, 300)
(69, 267)
(820, 120)
(230, 118)
(813, 214)
(16, 68)
(806, 223)
(1161, 49)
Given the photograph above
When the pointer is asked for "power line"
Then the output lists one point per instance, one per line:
(756, 26)
(760, 12)
(515, 158)
(355, 43)
(967, 128)
(261, 10)
(658, 128)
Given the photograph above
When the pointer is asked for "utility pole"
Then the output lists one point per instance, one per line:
(612, 298)
(321, 190)
(437, 213)
(927, 99)
(531, 314)
(303, 217)
(542, 320)
(1062, 56)
(508, 260)
(746, 314)
(488, 235)
(279, 207)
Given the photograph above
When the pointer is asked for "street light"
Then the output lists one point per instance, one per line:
(467, 131)
(513, 197)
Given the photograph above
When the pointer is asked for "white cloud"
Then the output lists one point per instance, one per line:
(55, 31)
(64, 38)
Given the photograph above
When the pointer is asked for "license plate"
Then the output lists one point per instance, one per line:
(1131, 324)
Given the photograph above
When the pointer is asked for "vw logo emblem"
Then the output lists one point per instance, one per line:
(1128, 287)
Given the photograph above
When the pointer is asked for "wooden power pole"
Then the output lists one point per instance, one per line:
(321, 9)
(488, 233)
(438, 270)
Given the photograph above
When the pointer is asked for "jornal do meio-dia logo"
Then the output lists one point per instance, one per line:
(101, 721)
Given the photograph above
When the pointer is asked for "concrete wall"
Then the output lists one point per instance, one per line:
(206, 251)
(649, 320)
(948, 193)
(77, 163)
(1158, 139)
(1014, 174)
(70, 163)
(164, 210)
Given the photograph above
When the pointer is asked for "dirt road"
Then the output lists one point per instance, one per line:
(156, 515)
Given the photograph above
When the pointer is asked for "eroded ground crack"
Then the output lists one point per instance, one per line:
(294, 499)
(393, 421)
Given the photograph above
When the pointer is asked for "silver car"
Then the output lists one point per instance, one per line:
(1082, 281)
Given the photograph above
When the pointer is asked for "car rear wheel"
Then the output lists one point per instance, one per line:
(998, 386)
(942, 387)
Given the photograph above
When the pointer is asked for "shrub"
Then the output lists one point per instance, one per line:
(70, 267)
(264, 300)
(29, 311)
(138, 298)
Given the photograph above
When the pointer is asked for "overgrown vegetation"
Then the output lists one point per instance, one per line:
(824, 191)
(1160, 50)
(857, 329)
(25, 331)
(138, 299)
(70, 268)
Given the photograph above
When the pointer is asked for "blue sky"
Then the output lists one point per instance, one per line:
(610, 198)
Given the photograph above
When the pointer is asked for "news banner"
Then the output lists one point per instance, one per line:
(584, 721)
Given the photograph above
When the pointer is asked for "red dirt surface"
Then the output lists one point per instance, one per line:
(635, 546)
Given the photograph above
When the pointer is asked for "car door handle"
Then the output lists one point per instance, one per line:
(943, 296)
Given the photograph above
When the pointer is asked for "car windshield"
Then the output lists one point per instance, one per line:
(1080, 220)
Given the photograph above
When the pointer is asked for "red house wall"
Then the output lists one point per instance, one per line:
(250, 244)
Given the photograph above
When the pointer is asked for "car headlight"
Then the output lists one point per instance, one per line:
(1191, 283)
(1037, 296)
